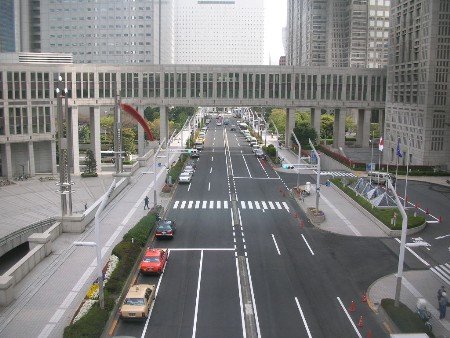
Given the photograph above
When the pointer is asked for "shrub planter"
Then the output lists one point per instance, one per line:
(316, 216)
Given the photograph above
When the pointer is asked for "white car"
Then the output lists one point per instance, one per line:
(189, 169)
(255, 147)
(185, 177)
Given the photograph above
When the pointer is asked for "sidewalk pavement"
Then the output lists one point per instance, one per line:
(343, 218)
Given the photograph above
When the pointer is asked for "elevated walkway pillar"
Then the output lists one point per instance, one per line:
(290, 124)
(164, 123)
(315, 119)
(339, 128)
(94, 114)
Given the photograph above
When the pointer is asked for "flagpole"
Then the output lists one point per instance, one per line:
(371, 159)
(388, 157)
(407, 166)
(396, 169)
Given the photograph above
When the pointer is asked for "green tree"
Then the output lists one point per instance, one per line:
(326, 126)
(84, 133)
(107, 125)
(278, 116)
(304, 132)
(151, 114)
(128, 141)
(90, 164)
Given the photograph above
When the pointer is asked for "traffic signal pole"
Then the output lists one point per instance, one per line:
(318, 175)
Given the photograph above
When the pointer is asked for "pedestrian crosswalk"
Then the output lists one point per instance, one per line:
(244, 205)
(336, 173)
(442, 271)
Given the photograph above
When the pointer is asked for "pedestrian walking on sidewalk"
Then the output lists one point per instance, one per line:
(146, 203)
(439, 293)
(443, 305)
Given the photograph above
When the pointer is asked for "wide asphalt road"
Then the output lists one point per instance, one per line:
(245, 262)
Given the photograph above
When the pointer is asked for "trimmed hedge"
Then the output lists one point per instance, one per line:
(128, 251)
(406, 320)
(385, 215)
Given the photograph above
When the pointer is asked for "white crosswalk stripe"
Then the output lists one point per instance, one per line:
(336, 173)
(442, 271)
(244, 205)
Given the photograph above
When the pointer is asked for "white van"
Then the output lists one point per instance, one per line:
(381, 177)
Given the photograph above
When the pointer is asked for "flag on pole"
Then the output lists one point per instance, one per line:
(381, 144)
(399, 153)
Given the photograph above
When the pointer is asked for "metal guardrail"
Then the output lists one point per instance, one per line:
(46, 223)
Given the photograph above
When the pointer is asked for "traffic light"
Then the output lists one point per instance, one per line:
(285, 166)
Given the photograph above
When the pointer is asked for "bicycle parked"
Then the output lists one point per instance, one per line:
(423, 313)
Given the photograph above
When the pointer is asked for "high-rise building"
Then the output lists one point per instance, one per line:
(418, 95)
(104, 31)
(338, 33)
(219, 32)
(7, 34)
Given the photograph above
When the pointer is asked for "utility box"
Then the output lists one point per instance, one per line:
(308, 187)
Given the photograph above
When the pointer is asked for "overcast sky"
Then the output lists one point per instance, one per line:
(276, 12)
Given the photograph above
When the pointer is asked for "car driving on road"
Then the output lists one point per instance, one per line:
(137, 302)
(165, 229)
(154, 261)
(185, 177)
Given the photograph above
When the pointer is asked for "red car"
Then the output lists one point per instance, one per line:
(154, 261)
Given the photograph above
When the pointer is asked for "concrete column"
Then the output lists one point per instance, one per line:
(315, 120)
(290, 124)
(163, 123)
(94, 113)
(381, 121)
(8, 173)
(31, 165)
(53, 151)
(366, 128)
(73, 116)
(360, 127)
(141, 133)
(339, 128)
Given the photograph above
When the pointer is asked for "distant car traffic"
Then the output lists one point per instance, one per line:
(189, 169)
(260, 154)
(165, 229)
(185, 177)
(192, 163)
(137, 302)
(194, 153)
(233, 127)
(154, 261)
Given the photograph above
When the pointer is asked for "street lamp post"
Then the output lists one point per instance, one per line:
(97, 244)
(318, 175)
(401, 256)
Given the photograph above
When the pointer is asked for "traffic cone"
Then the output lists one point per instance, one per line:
(284, 194)
(301, 223)
(369, 334)
(417, 205)
(352, 307)
(427, 212)
(360, 323)
(440, 219)
(364, 298)
(406, 198)
(295, 214)
(281, 189)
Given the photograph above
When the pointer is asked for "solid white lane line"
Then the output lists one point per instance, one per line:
(189, 186)
(209, 186)
(253, 298)
(349, 318)
(198, 295)
(210, 170)
(244, 333)
(303, 318)
(416, 255)
(307, 244)
(276, 245)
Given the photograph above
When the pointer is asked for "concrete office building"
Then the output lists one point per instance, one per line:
(101, 31)
(338, 33)
(418, 96)
(7, 36)
(219, 32)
